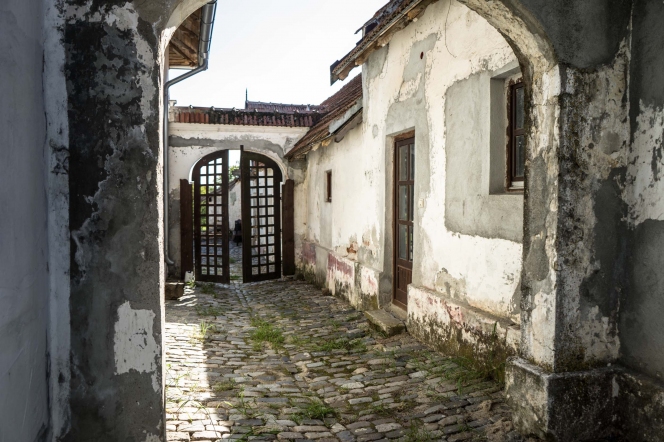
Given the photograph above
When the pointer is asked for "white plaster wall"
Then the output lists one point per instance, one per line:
(234, 204)
(24, 239)
(189, 142)
(403, 92)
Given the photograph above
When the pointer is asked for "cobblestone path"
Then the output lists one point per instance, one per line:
(280, 361)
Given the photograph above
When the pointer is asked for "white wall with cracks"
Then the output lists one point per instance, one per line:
(405, 88)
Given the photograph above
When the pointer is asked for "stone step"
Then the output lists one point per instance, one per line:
(173, 290)
(385, 322)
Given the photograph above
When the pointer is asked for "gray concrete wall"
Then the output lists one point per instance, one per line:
(642, 304)
(24, 409)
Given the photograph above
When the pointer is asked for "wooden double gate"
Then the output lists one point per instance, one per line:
(267, 204)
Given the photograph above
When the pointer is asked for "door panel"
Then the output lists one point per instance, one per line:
(288, 230)
(404, 209)
(261, 218)
(211, 218)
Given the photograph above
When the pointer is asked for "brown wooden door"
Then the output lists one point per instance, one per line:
(261, 218)
(211, 218)
(404, 180)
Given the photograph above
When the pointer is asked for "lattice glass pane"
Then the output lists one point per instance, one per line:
(519, 156)
(403, 203)
(412, 162)
(403, 242)
(403, 163)
(520, 111)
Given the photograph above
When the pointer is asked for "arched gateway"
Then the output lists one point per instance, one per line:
(261, 180)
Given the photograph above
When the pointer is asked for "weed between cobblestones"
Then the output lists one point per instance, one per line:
(315, 410)
(342, 344)
(266, 332)
(417, 433)
(204, 329)
(209, 310)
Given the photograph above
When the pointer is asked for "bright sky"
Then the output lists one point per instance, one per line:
(281, 50)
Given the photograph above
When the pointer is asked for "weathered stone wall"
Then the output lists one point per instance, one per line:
(24, 251)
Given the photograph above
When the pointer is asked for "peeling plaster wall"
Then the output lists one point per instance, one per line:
(405, 92)
(113, 74)
(24, 240)
(189, 142)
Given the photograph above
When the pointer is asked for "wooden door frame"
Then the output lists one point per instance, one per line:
(403, 138)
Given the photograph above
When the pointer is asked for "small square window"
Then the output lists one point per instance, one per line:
(328, 186)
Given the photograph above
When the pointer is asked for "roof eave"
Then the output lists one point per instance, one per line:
(377, 39)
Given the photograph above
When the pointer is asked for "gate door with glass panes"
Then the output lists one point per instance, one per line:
(261, 218)
(211, 218)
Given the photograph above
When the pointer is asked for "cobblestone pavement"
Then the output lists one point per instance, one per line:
(280, 361)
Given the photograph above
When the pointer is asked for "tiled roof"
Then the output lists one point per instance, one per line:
(279, 107)
(242, 117)
(392, 17)
(335, 107)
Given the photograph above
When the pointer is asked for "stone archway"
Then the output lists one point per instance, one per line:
(569, 319)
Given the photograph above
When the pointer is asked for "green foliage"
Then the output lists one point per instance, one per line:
(208, 289)
(225, 385)
(417, 433)
(315, 409)
(266, 332)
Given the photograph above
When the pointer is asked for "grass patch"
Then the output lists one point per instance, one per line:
(232, 260)
(236, 277)
(204, 330)
(417, 433)
(225, 385)
(208, 289)
(266, 332)
(208, 310)
(315, 410)
(342, 344)
(298, 341)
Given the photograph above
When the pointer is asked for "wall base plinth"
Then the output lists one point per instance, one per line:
(574, 406)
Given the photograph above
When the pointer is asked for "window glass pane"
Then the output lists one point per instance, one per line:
(520, 111)
(519, 156)
(403, 163)
(403, 242)
(403, 203)
(412, 162)
(412, 203)
(410, 243)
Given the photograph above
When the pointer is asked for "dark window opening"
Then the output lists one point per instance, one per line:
(328, 186)
(516, 149)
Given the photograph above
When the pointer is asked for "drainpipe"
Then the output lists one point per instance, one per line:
(207, 24)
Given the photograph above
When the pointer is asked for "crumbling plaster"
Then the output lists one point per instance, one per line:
(113, 52)
(404, 92)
